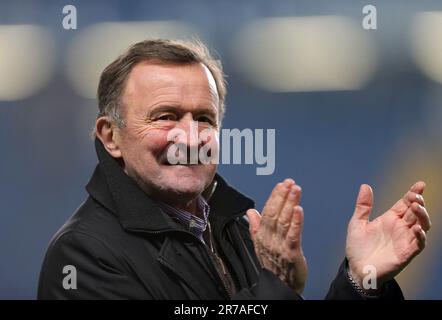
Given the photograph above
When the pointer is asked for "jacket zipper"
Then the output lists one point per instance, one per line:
(214, 264)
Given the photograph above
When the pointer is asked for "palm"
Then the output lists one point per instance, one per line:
(388, 243)
(385, 243)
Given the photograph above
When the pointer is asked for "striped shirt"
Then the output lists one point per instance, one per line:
(191, 222)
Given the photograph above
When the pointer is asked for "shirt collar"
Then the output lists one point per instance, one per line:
(189, 221)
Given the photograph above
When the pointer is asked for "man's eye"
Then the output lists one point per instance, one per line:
(167, 117)
(205, 119)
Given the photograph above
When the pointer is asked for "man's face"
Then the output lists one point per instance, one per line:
(157, 99)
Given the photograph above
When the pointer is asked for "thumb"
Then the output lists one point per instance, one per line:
(364, 203)
(254, 221)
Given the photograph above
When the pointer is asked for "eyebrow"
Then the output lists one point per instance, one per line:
(175, 108)
(162, 108)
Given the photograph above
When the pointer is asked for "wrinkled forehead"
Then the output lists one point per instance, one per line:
(149, 78)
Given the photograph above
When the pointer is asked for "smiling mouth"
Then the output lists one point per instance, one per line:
(188, 159)
(180, 161)
(180, 164)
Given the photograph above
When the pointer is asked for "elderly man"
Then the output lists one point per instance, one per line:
(153, 229)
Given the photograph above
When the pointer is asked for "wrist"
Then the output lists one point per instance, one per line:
(357, 283)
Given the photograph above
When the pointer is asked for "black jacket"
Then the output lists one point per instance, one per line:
(124, 247)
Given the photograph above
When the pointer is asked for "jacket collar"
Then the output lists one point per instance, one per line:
(121, 195)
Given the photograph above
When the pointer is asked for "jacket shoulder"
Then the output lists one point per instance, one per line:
(91, 219)
(88, 244)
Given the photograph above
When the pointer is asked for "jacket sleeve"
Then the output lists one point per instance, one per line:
(92, 271)
(268, 287)
(342, 289)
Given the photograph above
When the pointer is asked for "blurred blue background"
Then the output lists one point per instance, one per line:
(349, 106)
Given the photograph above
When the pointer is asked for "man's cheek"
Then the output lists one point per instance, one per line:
(155, 144)
(209, 151)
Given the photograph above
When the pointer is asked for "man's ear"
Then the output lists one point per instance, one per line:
(108, 135)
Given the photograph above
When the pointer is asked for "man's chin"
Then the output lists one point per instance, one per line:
(185, 182)
(188, 187)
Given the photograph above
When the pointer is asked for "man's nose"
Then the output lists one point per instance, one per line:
(190, 138)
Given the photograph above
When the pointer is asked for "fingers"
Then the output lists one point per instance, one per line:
(418, 187)
(409, 217)
(294, 232)
(415, 212)
(413, 195)
(418, 214)
(285, 216)
(282, 219)
(254, 221)
(420, 235)
(364, 203)
(275, 203)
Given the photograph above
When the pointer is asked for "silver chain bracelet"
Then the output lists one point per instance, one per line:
(354, 284)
